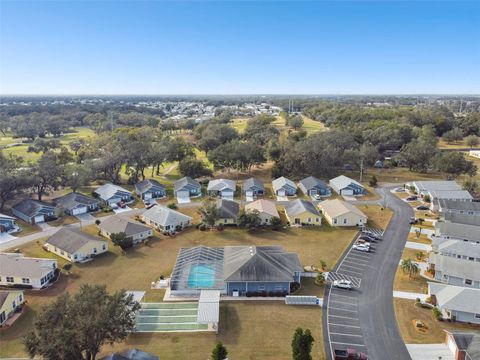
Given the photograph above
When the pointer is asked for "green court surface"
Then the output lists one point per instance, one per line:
(171, 317)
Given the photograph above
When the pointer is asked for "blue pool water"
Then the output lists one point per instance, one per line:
(201, 276)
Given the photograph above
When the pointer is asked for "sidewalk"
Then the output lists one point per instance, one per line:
(418, 246)
(409, 295)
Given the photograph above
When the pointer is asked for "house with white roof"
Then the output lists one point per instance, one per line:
(284, 187)
(166, 219)
(222, 187)
(342, 213)
(112, 194)
(8, 224)
(455, 302)
(19, 270)
(343, 185)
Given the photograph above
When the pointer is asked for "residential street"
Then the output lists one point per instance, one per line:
(370, 324)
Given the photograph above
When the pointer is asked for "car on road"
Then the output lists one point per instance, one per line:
(317, 196)
(400, 190)
(413, 220)
(412, 198)
(361, 247)
(343, 284)
(423, 207)
(348, 354)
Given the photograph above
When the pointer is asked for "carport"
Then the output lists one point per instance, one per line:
(209, 309)
(183, 197)
(79, 210)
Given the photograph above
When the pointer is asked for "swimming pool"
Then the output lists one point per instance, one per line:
(201, 276)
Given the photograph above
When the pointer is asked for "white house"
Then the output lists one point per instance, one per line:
(343, 185)
(16, 269)
(222, 187)
(134, 230)
(342, 213)
(112, 194)
(166, 219)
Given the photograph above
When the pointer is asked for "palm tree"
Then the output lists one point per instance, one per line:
(409, 267)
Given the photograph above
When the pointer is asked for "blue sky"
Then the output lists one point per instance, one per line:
(245, 47)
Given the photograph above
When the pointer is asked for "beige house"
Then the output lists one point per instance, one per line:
(74, 245)
(302, 213)
(267, 210)
(134, 230)
(16, 269)
(342, 213)
(10, 301)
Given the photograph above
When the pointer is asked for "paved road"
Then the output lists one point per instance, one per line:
(364, 318)
(50, 230)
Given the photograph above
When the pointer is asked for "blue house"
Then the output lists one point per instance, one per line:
(343, 185)
(253, 187)
(8, 224)
(313, 186)
(150, 189)
(186, 187)
(284, 187)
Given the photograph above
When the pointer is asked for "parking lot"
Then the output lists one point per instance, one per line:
(343, 325)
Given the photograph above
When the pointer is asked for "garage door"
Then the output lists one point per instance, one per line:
(346, 192)
(183, 197)
(249, 193)
(281, 192)
(147, 196)
(39, 219)
(80, 210)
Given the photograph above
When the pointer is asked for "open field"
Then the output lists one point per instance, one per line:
(149, 261)
(21, 150)
(406, 312)
(462, 144)
(309, 125)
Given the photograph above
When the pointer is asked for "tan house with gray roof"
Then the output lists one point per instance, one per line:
(16, 269)
(342, 213)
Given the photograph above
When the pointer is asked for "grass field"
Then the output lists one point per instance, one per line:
(21, 150)
(242, 326)
(309, 125)
(406, 312)
(442, 144)
(377, 217)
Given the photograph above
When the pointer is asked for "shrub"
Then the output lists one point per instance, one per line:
(437, 313)
(219, 227)
(172, 206)
(202, 227)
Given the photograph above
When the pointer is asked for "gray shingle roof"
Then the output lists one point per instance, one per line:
(466, 248)
(468, 342)
(74, 199)
(147, 184)
(19, 266)
(436, 185)
(312, 182)
(342, 181)
(108, 191)
(252, 182)
(459, 205)
(227, 209)
(464, 269)
(459, 231)
(457, 298)
(32, 207)
(221, 184)
(277, 184)
(459, 218)
(299, 206)
(165, 216)
(260, 263)
(180, 183)
(71, 240)
(117, 224)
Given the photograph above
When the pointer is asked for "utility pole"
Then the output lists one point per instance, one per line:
(361, 169)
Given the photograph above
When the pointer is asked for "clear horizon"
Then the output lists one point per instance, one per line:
(197, 48)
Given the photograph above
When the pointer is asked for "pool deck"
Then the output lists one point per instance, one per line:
(169, 297)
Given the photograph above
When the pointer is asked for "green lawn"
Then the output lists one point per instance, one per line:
(242, 324)
(21, 150)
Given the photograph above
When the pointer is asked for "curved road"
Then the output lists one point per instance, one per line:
(365, 317)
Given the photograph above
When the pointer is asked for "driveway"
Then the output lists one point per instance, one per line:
(429, 352)
(4, 238)
(85, 217)
(183, 200)
(409, 295)
(418, 246)
(120, 210)
(282, 198)
(44, 226)
(364, 318)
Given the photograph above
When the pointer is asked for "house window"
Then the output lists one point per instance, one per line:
(468, 282)
(261, 287)
(477, 316)
(9, 279)
(104, 247)
(94, 250)
(297, 221)
(471, 258)
(25, 280)
(344, 221)
(334, 221)
(309, 220)
(75, 256)
(278, 287)
(20, 298)
(317, 220)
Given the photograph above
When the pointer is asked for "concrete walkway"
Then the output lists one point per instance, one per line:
(429, 352)
(409, 295)
(418, 246)
(428, 232)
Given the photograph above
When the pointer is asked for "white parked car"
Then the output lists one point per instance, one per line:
(343, 284)
(317, 196)
(361, 247)
(400, 189)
